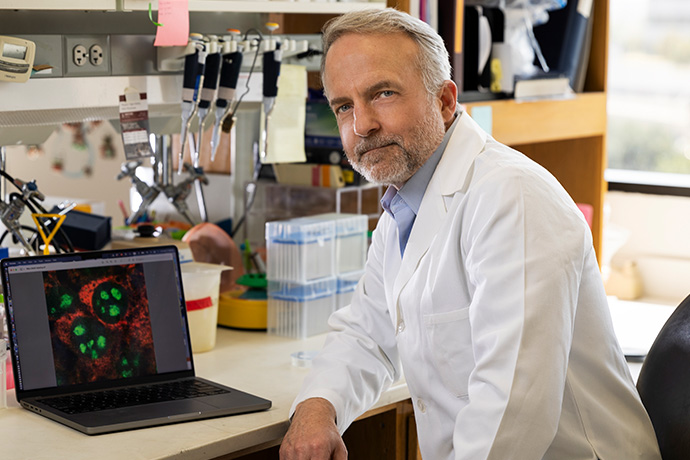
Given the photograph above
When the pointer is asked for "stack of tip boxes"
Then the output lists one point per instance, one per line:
(314, 265)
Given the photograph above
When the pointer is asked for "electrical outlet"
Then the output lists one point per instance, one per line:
(96, 55)
(87, 55)
(79, 55)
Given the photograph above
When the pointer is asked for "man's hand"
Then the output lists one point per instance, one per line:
(313, 434)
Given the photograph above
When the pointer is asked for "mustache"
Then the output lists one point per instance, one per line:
(376, 142)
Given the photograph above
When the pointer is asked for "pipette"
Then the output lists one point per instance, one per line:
(206, 96)
(192, 81)
(271, 69)
(229, 74)
(208, 92)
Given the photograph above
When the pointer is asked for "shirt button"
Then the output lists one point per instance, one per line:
(421, 406)
(401, 326)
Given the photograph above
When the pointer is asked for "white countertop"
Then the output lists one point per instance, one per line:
(636, 324)
(256, 363)
(249, 361)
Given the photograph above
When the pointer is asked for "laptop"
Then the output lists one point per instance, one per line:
(100, 342)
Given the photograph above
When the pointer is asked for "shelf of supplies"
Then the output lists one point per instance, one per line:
(236, 6)
(264, 6)
(517, 123)
(102, 5)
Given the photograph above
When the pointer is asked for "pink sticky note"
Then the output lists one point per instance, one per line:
(174, 17)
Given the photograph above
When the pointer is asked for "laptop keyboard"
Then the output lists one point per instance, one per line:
(131, 396)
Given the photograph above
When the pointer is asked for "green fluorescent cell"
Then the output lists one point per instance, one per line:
(79, 330)
(100, 341)
(114, 310)
(104, 295)
(82, 347)
(127, 373)
(94, 354)
(115, 292)
(65, 301)
(124, 361)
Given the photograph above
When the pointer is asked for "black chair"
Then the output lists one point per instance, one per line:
(664, 384)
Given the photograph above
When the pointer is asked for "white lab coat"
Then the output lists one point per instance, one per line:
(498, 316)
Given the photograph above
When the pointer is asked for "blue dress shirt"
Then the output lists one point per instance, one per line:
(403, 205)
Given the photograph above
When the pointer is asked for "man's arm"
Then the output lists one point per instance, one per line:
(359, 359)
(525, 260)
(313, 433)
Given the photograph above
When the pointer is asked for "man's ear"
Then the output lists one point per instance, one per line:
(448, 95)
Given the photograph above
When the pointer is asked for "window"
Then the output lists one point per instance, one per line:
(649, 92)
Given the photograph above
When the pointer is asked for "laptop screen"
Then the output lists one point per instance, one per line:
(94, 317)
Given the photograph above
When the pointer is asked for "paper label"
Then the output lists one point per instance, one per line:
(134, 125)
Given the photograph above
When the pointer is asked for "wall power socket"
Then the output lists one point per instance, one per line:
(86, 55)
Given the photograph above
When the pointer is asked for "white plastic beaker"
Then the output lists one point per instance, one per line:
(201, 282)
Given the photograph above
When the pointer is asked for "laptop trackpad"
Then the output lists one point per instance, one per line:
(173, 410)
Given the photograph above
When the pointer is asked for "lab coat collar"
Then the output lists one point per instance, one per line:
(451, 176)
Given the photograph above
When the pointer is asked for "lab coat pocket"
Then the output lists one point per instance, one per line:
(450, 339)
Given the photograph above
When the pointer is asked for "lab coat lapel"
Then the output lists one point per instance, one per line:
(451, 174)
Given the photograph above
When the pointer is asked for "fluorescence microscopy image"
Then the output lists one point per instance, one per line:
(99, 323)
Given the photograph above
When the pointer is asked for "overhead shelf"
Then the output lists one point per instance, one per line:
(517, 123)
(264, 6)
(96, 5)
(237, 6)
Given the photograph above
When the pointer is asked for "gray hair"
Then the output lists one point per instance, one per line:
(432, 59)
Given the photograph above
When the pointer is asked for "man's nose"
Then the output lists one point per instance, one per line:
(365, 121)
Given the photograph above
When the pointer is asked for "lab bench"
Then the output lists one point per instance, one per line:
(261, 364)
(252, 361)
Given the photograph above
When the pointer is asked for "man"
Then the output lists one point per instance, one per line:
(481, 281)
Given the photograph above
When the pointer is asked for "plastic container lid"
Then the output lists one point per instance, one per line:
(303, 358)
(301, 230)
(345, 223)
(348, 282)
(299, 292)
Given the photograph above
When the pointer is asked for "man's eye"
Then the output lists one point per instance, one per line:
(343, 108)
(387, 93)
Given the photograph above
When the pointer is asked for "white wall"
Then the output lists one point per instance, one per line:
(72, 182)
(656, 234)
(101, 184)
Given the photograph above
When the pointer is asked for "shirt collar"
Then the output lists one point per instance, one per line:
(413, 190)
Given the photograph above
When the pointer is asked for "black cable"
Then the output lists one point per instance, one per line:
(240, 221)
(61, 232)
(23, 227)
(242, 218)
(10, 178)
(17, 196)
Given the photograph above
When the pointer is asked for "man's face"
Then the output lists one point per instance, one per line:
(388, 123)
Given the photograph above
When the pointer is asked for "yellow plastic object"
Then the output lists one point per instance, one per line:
(49, 238)
(242, 313)
(83, 207)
